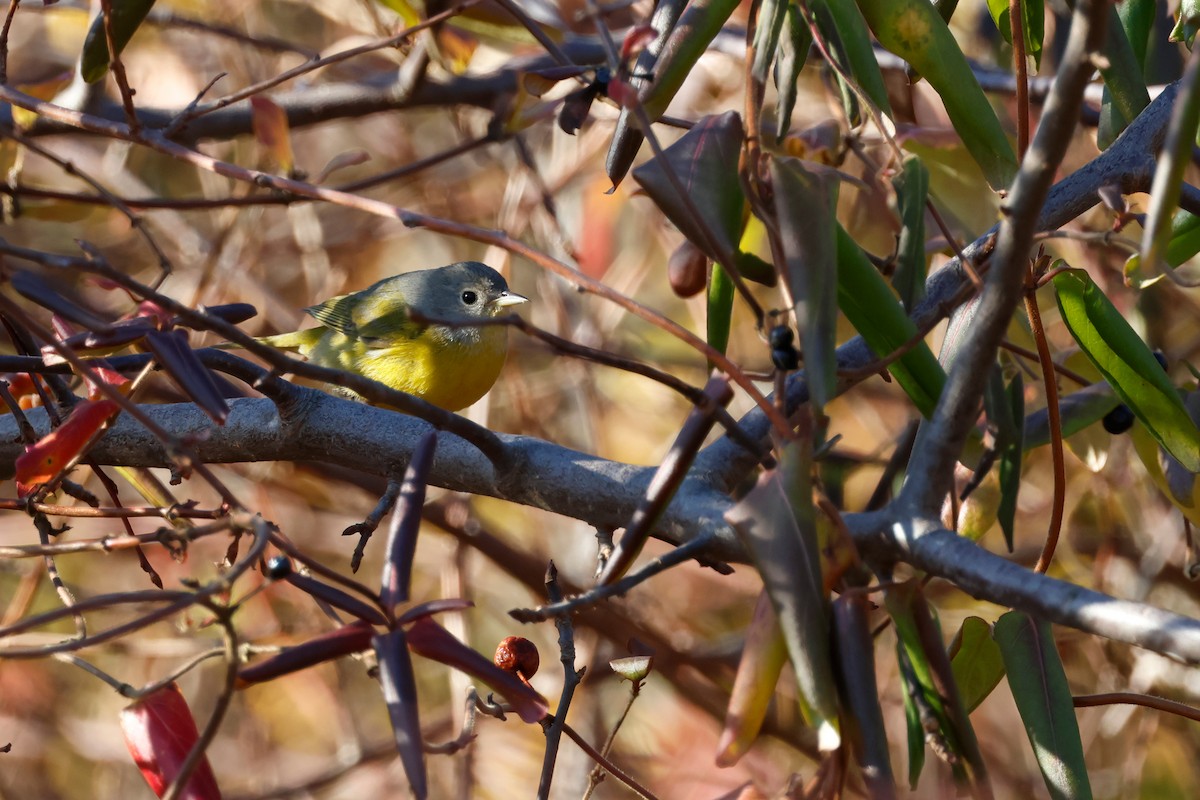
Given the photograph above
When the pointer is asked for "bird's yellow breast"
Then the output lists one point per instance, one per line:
(448, 373)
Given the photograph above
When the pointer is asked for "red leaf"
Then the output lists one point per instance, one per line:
(159, 732)
(352, 638)
(42, 460)
(111, 377)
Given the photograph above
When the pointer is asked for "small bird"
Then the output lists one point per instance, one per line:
(373, 333)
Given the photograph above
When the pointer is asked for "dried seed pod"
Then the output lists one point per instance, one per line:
(687, 270)
(519, 656)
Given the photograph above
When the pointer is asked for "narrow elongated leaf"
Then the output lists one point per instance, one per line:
(406, 523)
(627, 137)
(1183, 497)
(1128, 365)
(914, 730)
(1078, 410)
(763, 656)
(343, 641)
(337, 598)
(868, 302)
(681, 48)
(771, 16)
(1006, 411)
(43, 459)
(859, 694)
(718, 320)
(1033, 24)
(1039, 686)
(806, 212)
(1125, 94)
(400, 693)
(127, 17)
(854, 46)
(935, 694)
(976, 662)
(1168, 174)
(777, 522)
(36, 288)
(913, 30)
(1187, 22)
(179, 360)
(794, 43)
(912, 190)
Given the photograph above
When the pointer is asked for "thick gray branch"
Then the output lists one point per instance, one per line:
(987, 576)
(320, 427)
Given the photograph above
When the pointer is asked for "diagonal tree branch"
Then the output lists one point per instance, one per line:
(939, 443)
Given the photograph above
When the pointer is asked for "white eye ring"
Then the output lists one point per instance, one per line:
(469, 297)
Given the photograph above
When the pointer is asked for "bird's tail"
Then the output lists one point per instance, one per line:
(302, 341)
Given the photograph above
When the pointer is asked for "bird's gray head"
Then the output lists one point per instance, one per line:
(467, 290)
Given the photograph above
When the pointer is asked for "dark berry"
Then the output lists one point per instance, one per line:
(785, 359)
(1119, 420)
(781, 337)
(278, 568)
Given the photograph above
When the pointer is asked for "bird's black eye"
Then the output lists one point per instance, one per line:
(469, 297)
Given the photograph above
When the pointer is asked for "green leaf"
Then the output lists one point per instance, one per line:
(1032, 24)
(1006, 412)
(1125, 94)
(976, 662)
(1183, 242)
(806, 213)
(697, 26)
(1187, 22)
(720, 307)
(1039, 687)
(913, 30)
(912, 190)
(868, 302)
(127, 16)
(771, 16)
(843, 25)
(1128, 365)
(929, 676)
(1176, 154)
(794, 43)
(915, 734)
(777, 523)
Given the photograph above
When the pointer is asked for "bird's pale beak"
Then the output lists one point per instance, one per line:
(509, 299)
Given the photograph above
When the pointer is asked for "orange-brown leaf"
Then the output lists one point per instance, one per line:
(42, 460)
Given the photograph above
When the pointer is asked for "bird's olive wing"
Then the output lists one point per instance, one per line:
(336, 313)
(381, 314)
